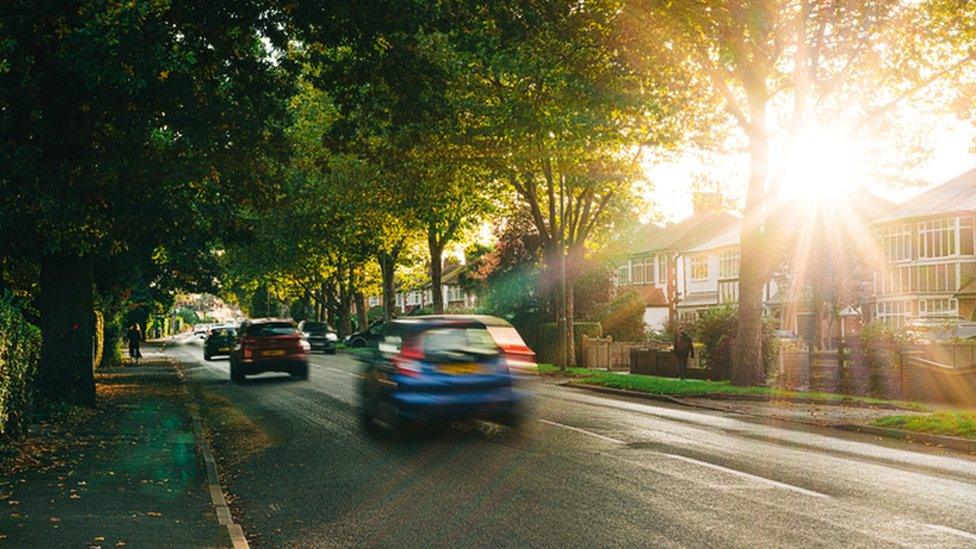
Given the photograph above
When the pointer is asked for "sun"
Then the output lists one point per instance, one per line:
(822, 167)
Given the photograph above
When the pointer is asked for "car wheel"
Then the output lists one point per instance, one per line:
(301, 372)
(367, 410)
(358, 342)
(235, 373)
(207, 356)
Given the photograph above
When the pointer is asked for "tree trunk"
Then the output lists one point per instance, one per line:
(345, 318)
(573, 261)
(330, 303)
(561, 328)
(362, 312)
(436, 249)
(747, 367)
(817, 303)
(388, 269)
(67, 308)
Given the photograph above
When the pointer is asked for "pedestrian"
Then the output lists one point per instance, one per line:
(135, 340)
(683, 348)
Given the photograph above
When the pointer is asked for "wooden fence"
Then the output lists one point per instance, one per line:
(938, 373)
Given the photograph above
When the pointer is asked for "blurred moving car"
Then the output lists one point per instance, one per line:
(430, 369)
(269, 345)
(220, 342)
(518, 355)
(940, 328)
(320, 335)
(366, 338)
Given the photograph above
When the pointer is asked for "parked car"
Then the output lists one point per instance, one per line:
(429, 369)
(940, 328)
(320, 335)
(269, 345)
(220, 342)
(200, 330)
(366, 338)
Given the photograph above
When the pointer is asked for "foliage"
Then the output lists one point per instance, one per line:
(20, 349)
(547, 348)
(624, 317)
(188, 315)
(716, 330)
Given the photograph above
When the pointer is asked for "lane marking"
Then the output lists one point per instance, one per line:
(742, 474)
(953, 531)
(584, 431)
(338, 371)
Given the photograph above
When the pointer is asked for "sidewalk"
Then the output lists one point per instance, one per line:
(127, 474)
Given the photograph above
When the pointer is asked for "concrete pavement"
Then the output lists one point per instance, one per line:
(589, 470)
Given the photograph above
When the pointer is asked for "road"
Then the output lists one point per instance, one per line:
(587, 470)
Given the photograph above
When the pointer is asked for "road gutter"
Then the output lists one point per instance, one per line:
(224, 517)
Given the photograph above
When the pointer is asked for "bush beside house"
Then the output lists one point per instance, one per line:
(20, 351)
(548, 348)
(715, 332)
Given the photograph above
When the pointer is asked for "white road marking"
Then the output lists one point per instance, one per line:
(747, 475)
(338, 371)
(952, 531)
(584, 431)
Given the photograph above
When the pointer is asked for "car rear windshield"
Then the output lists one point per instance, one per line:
(271, 329)
(315, 327)
(443, 342)
(224, 332)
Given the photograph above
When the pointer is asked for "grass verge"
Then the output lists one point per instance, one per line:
(954, 423)
(703, 388)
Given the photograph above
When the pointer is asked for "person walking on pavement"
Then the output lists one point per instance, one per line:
(135, 340)
(683, 348)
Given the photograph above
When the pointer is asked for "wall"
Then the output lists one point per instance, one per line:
(655, 318)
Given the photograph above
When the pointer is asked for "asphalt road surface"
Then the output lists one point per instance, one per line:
(587, 470)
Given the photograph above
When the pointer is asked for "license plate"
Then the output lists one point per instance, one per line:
(460, 369)
(225, 349)
(273, 352)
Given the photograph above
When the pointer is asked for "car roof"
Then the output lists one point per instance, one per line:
(269, 320)
(485, 320)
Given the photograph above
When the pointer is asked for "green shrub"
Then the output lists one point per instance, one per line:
(623, 318)
(548, 348)
(716, 330)
(20, 351)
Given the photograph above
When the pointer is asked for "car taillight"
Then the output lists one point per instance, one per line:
(247, 352)
(406, 366)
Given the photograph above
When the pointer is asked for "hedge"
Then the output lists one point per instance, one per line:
(20, 351)
(548, 349)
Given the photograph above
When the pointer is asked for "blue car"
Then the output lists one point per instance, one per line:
(431, 369)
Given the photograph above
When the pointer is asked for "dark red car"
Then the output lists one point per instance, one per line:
(269, 345)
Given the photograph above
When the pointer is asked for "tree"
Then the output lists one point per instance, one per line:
(782, 67)
(123, 131)
(557, 107)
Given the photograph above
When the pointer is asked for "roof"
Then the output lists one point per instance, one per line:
(686, 233)
(956, 195)
(728, 237)
(652, 295)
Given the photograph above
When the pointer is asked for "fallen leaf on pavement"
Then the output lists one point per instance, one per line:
(153, 514)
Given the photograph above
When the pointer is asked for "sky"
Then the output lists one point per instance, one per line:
(951, 142)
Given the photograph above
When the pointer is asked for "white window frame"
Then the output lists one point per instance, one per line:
(454, 293)
(728, 263)
(698, 265)
(623, 274)
(728, 291)
(938, 306)
(637, 271)
(895, 242)
(374, 301)
(662, 268)
(938, 238)
(893, 313)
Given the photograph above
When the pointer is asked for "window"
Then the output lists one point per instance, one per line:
(966, 236)
(413, 298)
(895, 242)
(637, 271)
(662, 269)
(938, 307)
(893, 313)
(374, 301)
(623, 274)
(699, 267)
(937, 238)
(896, 280)
(728, 291)
(642, 271)
(454, 293)
(728, 264)
(934, 278)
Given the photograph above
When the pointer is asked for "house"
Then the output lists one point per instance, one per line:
(651, 267)
(708, 276)
(456, 297)
(927, 258)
